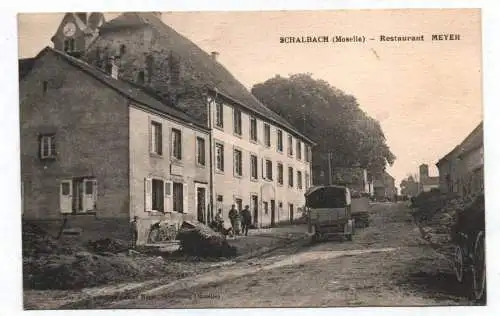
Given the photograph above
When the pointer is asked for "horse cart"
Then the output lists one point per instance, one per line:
(469, 254)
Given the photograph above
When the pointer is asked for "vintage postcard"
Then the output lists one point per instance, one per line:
(252, 159)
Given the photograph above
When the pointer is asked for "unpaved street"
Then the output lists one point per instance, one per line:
(385, 264)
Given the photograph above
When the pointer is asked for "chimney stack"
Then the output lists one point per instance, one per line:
(114, 67)
(214, 55)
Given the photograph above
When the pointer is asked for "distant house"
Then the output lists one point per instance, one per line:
(384, 186)
(462, 169)
(427, 183)
(99, 151)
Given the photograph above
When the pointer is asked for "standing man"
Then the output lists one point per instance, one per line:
(234, 219)
(246, 218)
(134, 229)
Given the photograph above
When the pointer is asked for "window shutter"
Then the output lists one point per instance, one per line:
(263, 167)
(147, 195)
(167, 200)
(185, 197)
(94, 182)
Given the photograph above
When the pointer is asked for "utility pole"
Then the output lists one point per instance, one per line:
(329, 168)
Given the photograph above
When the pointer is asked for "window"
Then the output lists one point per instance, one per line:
(308, 153)
(238, 163)
(123, 49)
(178, 197)
(280, 173)
(290, 145)
(69, 45)
(253, 129)
(266, 207)
(78, 195)
(253, 167)
(219, 115)
(308, 181)
(156, 138)
(236, 121)
(47, 146)
(290, 177)
(299, 150)
(279, 141)
(299, 179)
(219, 157)
(200, 151)
(239, 204)
(176, 144)
(157, 194)
(269, 169)
(267, 135)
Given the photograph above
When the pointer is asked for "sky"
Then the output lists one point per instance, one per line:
(426, 95)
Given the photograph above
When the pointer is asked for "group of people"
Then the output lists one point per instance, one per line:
(240, 220)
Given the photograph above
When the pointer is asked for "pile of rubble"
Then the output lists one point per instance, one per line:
(197, 239)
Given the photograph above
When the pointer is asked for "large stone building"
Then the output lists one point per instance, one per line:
(99, 151)
(258, 158)
(254, 156)
(461, 171)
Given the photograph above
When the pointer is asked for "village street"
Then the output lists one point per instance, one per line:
(386, 264)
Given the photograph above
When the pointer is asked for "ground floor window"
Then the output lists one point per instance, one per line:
(78, 195)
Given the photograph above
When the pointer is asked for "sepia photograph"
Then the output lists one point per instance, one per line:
(251, 159)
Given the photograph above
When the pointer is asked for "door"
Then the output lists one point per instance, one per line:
(290, 211)
(89, 195)
(273, 212)
(255, 208)
(66, 196)
(200, 205)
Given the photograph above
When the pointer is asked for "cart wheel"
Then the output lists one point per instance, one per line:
(458, 264)
(479, 268)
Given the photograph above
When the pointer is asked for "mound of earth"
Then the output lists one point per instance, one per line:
(197, 239)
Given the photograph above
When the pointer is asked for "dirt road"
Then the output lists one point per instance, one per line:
(386, 264)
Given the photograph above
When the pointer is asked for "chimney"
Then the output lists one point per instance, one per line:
(214, 55)
(114, 61)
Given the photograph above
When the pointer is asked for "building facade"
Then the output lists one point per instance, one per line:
(98, 151)
(461, 171)
(426, 182)
(250, 165)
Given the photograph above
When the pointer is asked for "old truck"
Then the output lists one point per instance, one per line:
(329, 212)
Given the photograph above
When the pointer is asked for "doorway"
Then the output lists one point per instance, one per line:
(273, 213)
(290, 211)
(201, 203)
(255, 209)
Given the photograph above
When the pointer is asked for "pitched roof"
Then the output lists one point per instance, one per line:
(127, 89)
(208, 71)
(473, 141)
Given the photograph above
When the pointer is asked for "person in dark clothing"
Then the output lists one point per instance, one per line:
(246, 218)
(134, 229)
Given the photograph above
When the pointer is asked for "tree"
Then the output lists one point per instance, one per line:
(330, 118)
(409, 186)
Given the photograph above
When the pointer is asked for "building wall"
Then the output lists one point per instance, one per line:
(471, 172)
(231, 187)
(90, 122)
(144, 164)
